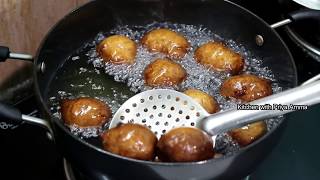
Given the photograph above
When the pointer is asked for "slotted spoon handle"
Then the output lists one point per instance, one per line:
(308, 94)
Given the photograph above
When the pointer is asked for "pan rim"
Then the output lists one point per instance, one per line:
(76, 138)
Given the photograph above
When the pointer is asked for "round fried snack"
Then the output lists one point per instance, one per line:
(117, 49)
(164, 72)
(85, 112)
(246, 87)
(204, 99)
(130, 140)
(185, 144)
(166, 41)
(216, 56)
(249, 133)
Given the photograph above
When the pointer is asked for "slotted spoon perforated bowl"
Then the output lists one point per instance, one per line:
(163, 109)
(160, 110)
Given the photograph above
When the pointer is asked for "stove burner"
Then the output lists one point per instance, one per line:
(68, 171)
(73, 174)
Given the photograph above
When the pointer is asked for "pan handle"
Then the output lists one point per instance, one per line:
(6, 54)
(298, 15)
(14, 115)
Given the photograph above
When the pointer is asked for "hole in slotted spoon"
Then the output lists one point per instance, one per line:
(121, 117)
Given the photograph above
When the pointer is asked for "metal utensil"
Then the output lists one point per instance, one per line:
(163, 109)
(160, 110)
(312, 4)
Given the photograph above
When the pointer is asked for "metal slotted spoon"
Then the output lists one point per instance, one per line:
(160, 110)
(163, 109)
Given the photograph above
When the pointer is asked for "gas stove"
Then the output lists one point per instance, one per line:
(26, 152)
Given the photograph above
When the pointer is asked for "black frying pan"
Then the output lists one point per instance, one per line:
(80, 26)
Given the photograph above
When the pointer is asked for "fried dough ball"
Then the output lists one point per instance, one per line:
(166, 41)
(130, 140)
(118, 49)
(204, 99)
(185, 144)
(164, 72)
(246, 87)
(85, 112)
(216, 56)
(249, 133)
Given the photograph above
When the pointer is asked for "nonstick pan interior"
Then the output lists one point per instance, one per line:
(78, 78)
